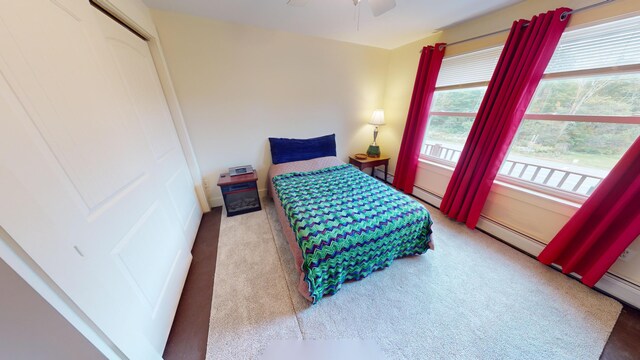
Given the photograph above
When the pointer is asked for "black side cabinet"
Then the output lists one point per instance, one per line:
(240, 193)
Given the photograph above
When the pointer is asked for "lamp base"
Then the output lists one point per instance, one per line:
(373, 151)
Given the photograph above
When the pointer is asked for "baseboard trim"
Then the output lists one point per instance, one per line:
(621, 289)
(610, 284)
(428, 197)
(521, 241)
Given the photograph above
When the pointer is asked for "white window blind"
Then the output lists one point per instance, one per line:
(469, 68)
(615, 43)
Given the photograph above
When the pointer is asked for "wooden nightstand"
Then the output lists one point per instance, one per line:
(240, 193)
(370, 162)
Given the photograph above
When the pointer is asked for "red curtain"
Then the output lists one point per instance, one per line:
(604, 226)
(524, 58)
(416, 125)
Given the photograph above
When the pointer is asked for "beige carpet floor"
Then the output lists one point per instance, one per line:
(472, 298)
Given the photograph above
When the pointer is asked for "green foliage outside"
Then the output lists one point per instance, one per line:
(463, 100)
(597, 145)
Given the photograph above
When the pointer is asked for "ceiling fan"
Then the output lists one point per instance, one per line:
(378, 7)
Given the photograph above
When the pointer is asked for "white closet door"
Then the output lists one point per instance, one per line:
(93, 182)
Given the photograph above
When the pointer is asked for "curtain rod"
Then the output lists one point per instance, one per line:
(563, 16)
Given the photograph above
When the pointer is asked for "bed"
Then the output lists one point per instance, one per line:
(341, 224)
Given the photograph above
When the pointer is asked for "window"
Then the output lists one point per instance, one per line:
(584, 116)
(461, 85)
(451, 117)
(585, 113)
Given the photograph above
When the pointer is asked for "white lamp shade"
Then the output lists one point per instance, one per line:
(377, 118)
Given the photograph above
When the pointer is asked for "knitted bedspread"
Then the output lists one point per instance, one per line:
(347, 224)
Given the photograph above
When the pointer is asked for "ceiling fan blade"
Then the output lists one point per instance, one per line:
(379, 7)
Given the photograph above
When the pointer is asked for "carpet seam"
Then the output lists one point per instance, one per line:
(293, 307)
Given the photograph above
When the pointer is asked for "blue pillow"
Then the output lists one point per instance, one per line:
(288, 150)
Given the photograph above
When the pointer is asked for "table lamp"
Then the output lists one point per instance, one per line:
(377, 119)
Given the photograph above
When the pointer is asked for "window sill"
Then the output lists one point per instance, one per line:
(542, 191)
(520, 193)
(532, 193)
(433, 163)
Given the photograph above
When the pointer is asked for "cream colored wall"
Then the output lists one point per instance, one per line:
(538, 218)
(239, 85)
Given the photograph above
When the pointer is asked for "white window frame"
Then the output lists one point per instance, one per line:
(548, 190)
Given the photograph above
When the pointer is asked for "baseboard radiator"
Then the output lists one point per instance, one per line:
(610, 284)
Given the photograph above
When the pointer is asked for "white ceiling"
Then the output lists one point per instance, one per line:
(411, 20)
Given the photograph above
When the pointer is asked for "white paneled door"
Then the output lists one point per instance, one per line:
(93, 182)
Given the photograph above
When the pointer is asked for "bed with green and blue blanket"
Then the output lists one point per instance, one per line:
(342, 224)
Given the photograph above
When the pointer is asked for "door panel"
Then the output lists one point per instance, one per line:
(148, 240)
(92, 170)
(165, 220)
(138, 72)
(180, 192)
(39, 211)
(93, 138)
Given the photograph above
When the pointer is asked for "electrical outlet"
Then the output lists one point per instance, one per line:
(627, 255)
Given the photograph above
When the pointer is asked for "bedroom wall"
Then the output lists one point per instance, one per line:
(238, 85)
(534, 216)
